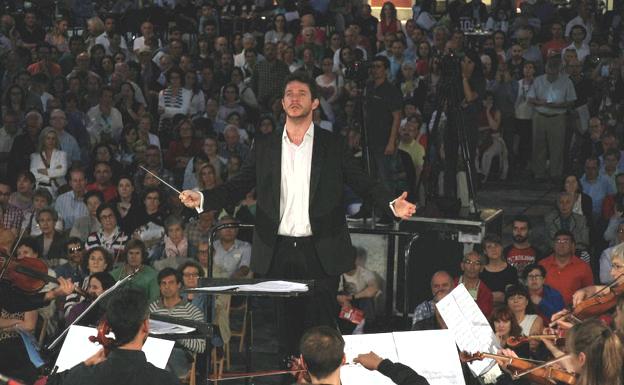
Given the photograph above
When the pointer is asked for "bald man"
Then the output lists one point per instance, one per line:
(425, 315)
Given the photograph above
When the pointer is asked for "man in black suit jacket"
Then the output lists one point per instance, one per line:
(301, 231)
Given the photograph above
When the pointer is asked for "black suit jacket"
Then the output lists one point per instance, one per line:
(333, 166)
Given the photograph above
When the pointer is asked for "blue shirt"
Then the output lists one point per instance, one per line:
(597, 190)
(70, 146)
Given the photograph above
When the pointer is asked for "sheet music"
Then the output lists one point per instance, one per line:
(432, 354)
(355, 374)
(469, 326)
(78, 348)
(267, 286)
(161, 327)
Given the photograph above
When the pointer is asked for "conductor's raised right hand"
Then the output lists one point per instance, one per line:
(190, 199)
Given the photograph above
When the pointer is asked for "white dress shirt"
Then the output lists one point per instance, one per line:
(295, 186)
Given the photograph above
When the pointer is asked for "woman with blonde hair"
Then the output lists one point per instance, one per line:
(207, 177)
(95, 27)
(49, 163)
(58, 37)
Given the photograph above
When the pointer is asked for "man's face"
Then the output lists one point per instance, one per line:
(564, 247)
(270, 52)
(297, 101)
(591, 169)
(152, 201)
(228, 234)
(565, 205)
(169, 287)
(516, 52)
(206, 219)
(608, 143)
(611, 162)
(397, 49)
(152, 158)
(378, 70)
(109, 23)
(106, 99)
(58, 120)
(557, 31)
(10, 123)
(147, 29)
(203, 254)
(441, 285)
(520, 231)
(134, 258)
(220, 44)
(595, 128)
(102, 174)
(577, 35)
(176, 48)
(472, 266)
(5, 192)
(388, 40)
(74, 252)
(30, 19)
(46, 223)
(25, 252)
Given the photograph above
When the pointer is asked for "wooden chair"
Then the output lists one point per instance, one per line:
(242, 332)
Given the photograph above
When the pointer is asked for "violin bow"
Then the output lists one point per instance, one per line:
(264, 373)
(12, 255)
(543, 365)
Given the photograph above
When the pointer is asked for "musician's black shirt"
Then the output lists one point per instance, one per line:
(127, 367)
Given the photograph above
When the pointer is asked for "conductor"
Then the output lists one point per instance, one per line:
(299, 172)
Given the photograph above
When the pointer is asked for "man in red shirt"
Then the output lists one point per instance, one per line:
(103, 175)
(557, 43)
(45, 64)
(566, 272)
(521, 253)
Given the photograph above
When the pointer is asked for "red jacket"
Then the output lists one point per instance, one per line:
(485, 300)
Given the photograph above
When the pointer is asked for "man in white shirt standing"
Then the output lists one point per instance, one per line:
(299, 173)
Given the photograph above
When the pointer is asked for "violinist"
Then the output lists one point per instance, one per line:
(596, 354)
(126, 364)
(617, 274)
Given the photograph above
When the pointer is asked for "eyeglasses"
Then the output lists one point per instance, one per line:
(617, 267)
(468, 262)
(203, 251)
(562, 241)
(72, 250)
(534, 276)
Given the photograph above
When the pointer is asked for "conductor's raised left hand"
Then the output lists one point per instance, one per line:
(403, 208)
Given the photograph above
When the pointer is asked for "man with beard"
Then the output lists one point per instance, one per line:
(521, 253)
(301, 232)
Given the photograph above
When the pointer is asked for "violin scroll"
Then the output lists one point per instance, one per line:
(103, 329)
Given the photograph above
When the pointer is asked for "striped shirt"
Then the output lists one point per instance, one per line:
(185, 310)
(114, 242)
(70, 208)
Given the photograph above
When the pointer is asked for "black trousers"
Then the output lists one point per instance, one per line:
(295, 258)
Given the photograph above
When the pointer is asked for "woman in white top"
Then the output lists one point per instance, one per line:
(49, 163)
(330, 84)
(519, 302)
(198, 101)
(175, 99)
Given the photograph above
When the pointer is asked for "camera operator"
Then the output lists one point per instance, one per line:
(383, 107)
(462, 113)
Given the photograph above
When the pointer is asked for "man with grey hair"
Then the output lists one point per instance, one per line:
(268, 78)
(58, 121)
(232, 145)
(551, 95)
(232, 256)
(563, 218)
(472, 265)
(249, 42)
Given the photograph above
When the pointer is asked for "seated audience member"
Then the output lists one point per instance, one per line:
(472, 265)
(358, 288)
(73, 269)
(565, 272)
(171, 303)
(103, 175)
(96, 260)
(198, 231)
(518, 301)
(41, 199)
(22, 198)
(51, 242)
(547, 300)
(151, 220)
(83, 226)
(613, 204)
(563, 219)
(595, 185)
(127, 204)
(111, 237)
(49, 164)
(175, 248)
(521, 252)
(128, 316)
(497, 274)
(97, 284)
(70, 205)
(582, 203)
(426, 316)
(605, 256)
(322, 353)
(135, 260)
(231, 256)
(505, 325)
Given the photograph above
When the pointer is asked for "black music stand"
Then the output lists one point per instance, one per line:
(215, 282)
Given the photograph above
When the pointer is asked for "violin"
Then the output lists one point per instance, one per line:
(557, 339)
(295, 365)
(539, 374)
(103, 329)
(596, 305)
(29, 275)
